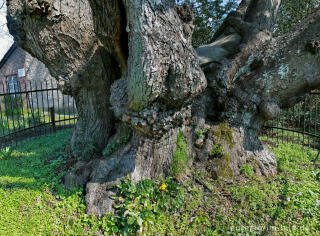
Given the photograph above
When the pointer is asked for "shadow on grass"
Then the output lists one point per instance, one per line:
(35, 164)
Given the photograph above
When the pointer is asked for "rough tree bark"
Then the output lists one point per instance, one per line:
(132, 70)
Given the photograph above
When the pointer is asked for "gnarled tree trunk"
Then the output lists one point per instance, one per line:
(133, 72)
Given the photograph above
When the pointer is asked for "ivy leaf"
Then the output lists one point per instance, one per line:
(131, 220)
(139, 221)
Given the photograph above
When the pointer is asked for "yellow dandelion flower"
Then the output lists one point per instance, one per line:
(163, 187)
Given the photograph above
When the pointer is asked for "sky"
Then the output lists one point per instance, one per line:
(5, 39)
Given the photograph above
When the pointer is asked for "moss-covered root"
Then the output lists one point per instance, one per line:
(221, 159)
(180, 158)
(222, 169)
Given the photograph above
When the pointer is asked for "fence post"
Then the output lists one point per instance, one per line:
(53, 120)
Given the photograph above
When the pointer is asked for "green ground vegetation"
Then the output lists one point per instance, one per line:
(34, 202)
(285, 136)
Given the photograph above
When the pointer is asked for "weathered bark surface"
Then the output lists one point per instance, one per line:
(61, 35)
(142, 157)
(162, 72)
(132, 70)
(162, 64)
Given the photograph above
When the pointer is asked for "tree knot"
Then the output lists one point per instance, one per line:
(269, 109)
(185, 13)
(38, 8)
(313, 47)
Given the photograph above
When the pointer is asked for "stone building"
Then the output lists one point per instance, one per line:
(20, 72)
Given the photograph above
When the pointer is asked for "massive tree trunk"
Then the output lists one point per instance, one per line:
(138, 81)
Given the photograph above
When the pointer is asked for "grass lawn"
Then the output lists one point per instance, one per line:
(33, 200)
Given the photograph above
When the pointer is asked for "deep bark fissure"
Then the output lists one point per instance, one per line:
(124, 38)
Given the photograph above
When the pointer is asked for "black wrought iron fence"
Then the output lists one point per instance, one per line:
(299, 124)
(31, 109)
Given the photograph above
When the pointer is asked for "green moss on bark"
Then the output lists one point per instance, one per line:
(180, 157)
(223, 169)
(224, 132)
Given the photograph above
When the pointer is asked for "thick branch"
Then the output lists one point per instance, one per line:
(263, 13)
(292, 63)
(240, 28)
(285, 71)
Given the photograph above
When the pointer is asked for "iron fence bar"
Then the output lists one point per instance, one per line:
(2, 120)
(309, 123)
(14, 128)
(73, 106)
(17, 107)
(301, 132)
(58, 103)
(53, 121)
(48, 102)
(52, 94)
(59, 121)
(37, 103)
(69, 111)
(32, 106)
(23, 92)
(22, 106)
(292, 122)
(2, 126)
(24, 112)
(64, 109)
(28, 104)
(43, 113)
(298, 124)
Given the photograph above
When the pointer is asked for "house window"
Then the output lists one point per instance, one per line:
(12, 84)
